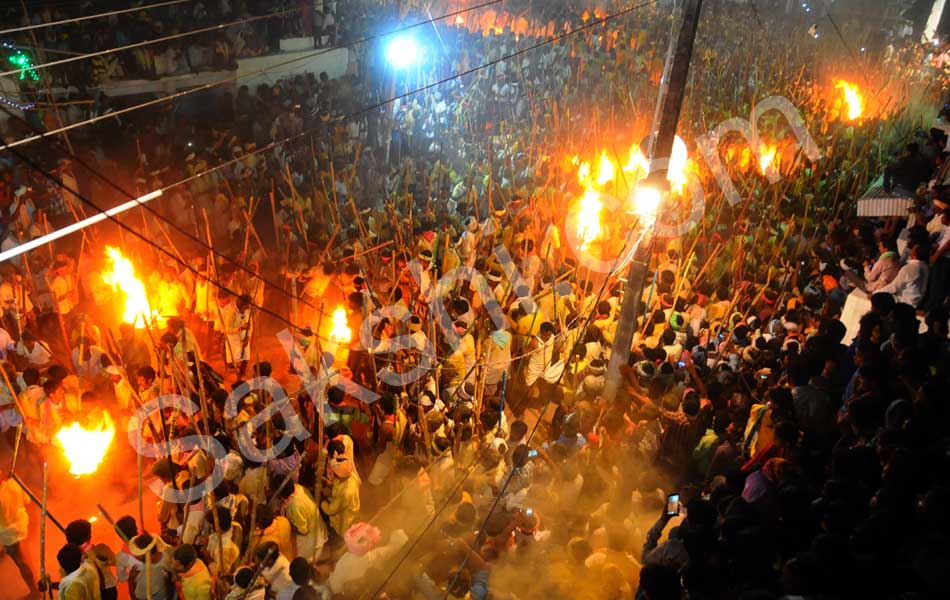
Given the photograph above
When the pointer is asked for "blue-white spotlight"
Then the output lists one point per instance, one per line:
(403, 52)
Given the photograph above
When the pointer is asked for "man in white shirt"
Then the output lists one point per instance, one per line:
(276, 567)
(940, 262)
(63, 288)
(910, 285)
(33, 351)
(6, 343)
(236, 317)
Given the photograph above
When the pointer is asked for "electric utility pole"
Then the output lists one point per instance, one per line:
(672, 103)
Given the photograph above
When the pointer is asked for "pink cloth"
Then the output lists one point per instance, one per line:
(361, 538)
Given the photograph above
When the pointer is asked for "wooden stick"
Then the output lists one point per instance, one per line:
(168, 239)
(273, 208)
(44, 513)
(16, 444)
(367, 251)
(139, 487)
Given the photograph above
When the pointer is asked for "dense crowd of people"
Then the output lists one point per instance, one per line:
(449, 437)
(256, 29)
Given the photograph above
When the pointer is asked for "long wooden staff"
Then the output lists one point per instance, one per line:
(44, 577)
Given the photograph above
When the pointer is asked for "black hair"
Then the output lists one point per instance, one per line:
(31, 376)
(79, 532)
(243, 577)
(300, 571)
(336, 447)
(186, 555)
(518, 429)
(265, 516)
(127, 526)
(69, 557)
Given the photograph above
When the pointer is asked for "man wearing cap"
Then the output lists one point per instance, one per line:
(152, 583)
(343, 502)
(497, 361)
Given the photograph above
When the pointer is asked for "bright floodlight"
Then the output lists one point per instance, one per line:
(402, 52)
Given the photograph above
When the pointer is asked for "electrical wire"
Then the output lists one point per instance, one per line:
(88, 17)
(237, 77)
(175, 36)
(847, 46)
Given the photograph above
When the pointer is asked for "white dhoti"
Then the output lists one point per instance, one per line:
(237, 349)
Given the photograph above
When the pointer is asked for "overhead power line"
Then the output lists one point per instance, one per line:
(89, 17)
(166, 38)
(138, 202)
(236, 77)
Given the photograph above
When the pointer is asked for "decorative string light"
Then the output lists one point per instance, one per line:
(17, 105)
(22, 61)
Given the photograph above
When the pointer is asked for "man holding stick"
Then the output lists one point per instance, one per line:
(14, 525)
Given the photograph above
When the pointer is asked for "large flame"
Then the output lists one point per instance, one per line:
(588, 217)
(339, 330)
(606, 171)
(122, 279)
(852, 98)
(643, 202)
(767, 154)
(646, 204)
(85, 448)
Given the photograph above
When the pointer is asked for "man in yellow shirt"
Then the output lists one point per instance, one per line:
(195, 581)
(344, 502)
(273, 528)
(74, 585)
(304, 516)
(14, 524)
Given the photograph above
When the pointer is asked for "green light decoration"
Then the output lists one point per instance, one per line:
(21, 60)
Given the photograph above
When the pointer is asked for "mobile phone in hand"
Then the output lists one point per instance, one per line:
(673, 504)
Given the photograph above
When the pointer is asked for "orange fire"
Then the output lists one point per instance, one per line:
(623, 180)
(591, 206)
(853, 98)
(638, 166)
(767, 154)
(605, 171)
(137, 309)
(85, 448)
(339, 329)
(588, 217)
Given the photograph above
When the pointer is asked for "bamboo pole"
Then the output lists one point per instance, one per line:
(140, 486)
(44, 513)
